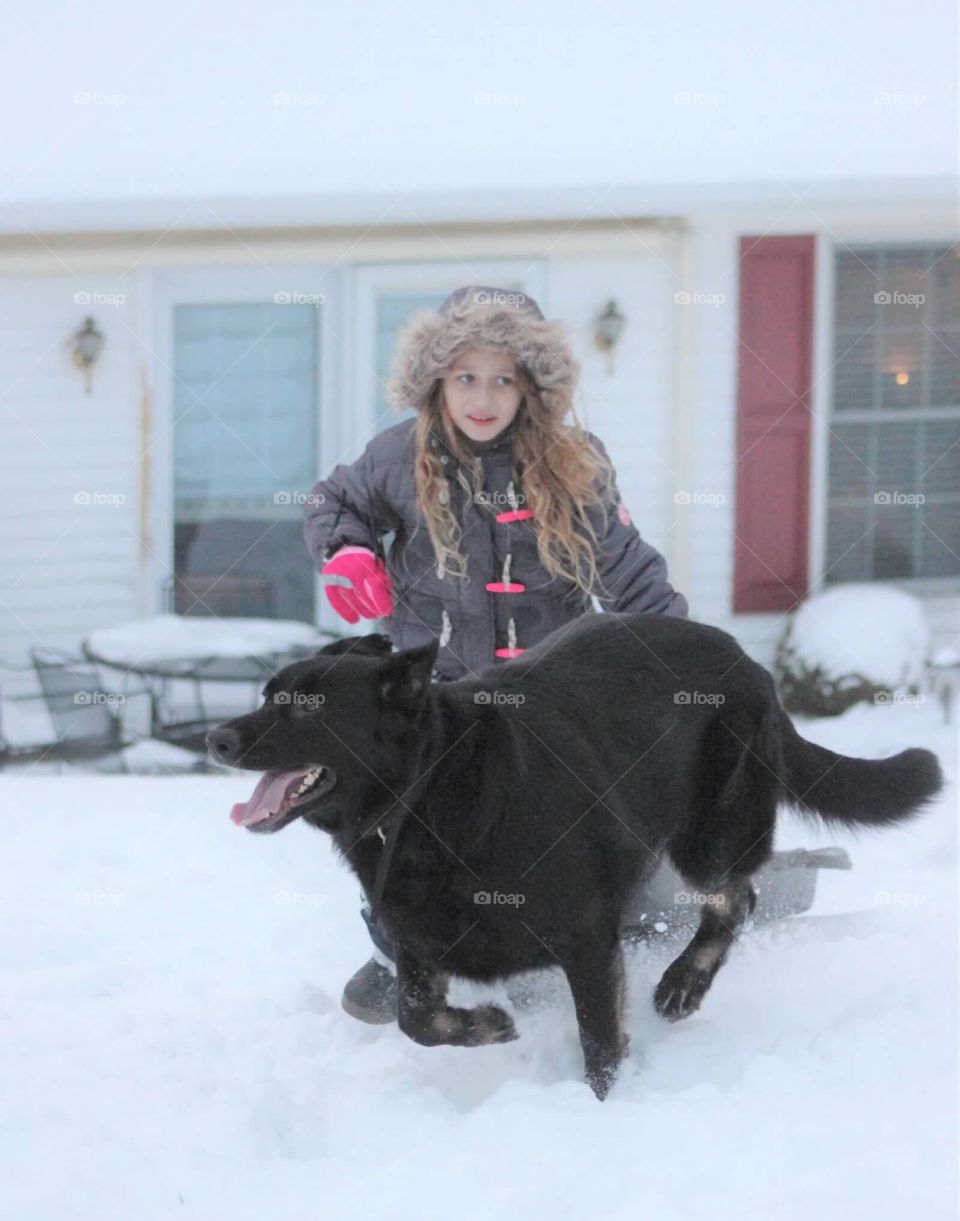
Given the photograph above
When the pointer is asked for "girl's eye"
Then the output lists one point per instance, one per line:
(504, 378)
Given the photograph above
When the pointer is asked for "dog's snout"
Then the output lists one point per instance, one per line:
(224, 743)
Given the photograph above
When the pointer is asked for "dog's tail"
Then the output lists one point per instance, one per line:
(842, 790)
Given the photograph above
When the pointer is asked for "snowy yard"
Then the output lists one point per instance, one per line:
(173, 1044)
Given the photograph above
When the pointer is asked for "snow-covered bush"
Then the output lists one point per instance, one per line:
(855, 642)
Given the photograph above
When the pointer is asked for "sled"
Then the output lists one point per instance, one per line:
(785, 886)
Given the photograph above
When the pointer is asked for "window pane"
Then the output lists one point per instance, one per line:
(940, 540)
(848, 546)
(909, 361)
(393, 311)
(901, 361)
(893, 541)
(853, 373)
(244, 435)
(944, 284)
(851, 473)
(941, 459)
(896, 461)
(857, 281)
(944, 368)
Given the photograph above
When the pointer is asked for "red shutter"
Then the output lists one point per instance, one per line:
(773, 423)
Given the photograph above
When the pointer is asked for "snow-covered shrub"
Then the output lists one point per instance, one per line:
(855, 642)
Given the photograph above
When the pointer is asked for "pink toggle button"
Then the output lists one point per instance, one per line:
(515, 515)
(498, 587)
(507, 652)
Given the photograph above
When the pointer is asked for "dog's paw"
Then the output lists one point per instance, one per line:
(680, 991)
(491, 1024)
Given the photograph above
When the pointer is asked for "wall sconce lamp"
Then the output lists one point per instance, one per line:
(609, 327)
(87, 345)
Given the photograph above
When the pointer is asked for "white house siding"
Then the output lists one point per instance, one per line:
(629, 408)
(65, 568)
(667, 413)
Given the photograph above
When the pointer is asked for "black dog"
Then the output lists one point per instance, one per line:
(501, 822)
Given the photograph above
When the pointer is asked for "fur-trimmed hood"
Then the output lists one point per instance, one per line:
(481, 317)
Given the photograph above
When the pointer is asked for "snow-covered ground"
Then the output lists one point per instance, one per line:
(172, 1043)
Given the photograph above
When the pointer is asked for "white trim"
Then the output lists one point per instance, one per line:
(477, 205)
(823, 279)
(276, 248)
(683, 405)
(203, 286)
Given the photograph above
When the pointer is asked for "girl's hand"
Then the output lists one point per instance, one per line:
(369, 594)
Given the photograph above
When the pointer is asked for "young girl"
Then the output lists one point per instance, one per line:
(507, 518)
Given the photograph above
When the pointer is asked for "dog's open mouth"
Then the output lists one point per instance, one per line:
(280, 797)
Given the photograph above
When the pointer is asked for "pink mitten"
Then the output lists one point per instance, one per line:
(369, 594)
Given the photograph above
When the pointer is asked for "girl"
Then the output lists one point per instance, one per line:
(507, 518)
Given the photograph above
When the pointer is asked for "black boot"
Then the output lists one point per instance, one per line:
(371, 995)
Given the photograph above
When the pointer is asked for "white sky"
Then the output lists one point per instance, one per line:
(777, 92)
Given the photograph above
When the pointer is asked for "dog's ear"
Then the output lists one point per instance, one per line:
(374, 645)
(405, 677)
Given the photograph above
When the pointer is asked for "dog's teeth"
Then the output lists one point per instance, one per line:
(308, 780)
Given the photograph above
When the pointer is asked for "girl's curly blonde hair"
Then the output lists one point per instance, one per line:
(560, 474)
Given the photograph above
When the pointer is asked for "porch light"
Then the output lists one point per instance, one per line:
(608, 329)
(87, 345)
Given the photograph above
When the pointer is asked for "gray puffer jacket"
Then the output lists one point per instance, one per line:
(362, 502)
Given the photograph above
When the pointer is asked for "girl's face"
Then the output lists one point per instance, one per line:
(481, 392)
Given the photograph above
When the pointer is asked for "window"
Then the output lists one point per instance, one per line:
(245, 412)
(893, 507)
(393, 311)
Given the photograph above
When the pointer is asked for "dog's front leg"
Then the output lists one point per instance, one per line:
(425, 1016)
(597, 980)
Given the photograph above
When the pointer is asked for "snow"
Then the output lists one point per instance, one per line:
(174, 637)
(172, 1046)
(325, 98)
(877, 631)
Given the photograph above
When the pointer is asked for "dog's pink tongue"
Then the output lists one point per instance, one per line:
(267, 797)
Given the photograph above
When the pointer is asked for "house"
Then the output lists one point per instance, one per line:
(783, 407)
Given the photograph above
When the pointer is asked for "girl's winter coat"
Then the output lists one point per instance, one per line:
(374, 496)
